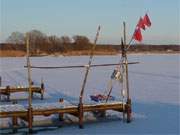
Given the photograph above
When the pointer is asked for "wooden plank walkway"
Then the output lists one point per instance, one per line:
(16, 111)
(55, 108)
(12, 111)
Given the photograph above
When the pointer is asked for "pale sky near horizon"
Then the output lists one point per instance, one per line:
(82, 17)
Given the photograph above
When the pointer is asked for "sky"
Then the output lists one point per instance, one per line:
(82, 17)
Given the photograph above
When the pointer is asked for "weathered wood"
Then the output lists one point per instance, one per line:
(82, 66)
(81, 114)
(128, 109)
(30, 85)
(61, 115)
(42, 90)
(9, 89)
(24, 114)
(6, 91)
(15, 121)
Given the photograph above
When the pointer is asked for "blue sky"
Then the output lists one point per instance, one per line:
(72, 17)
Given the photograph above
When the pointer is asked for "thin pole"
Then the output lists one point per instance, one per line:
(124, 33)
(123, 71)
(89, 64)
(29, 83)
(126, 61)
(82, 66)
(85, 79)
(128, 103)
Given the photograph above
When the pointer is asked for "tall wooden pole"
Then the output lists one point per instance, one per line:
(30, 117)
(126, 61)
(128, 108)
(85, 79)
(123, 75)
(124, 33)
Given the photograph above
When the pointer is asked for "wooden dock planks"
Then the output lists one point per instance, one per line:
(12, 110)
(16, 111)
(55, 108)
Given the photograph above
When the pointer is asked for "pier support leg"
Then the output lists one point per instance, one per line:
(81, 115)
(32, 94)
(8, 92)
(102, 114)
(42, 96)
(30, 120)
(61, 115)
(15, 121)
(15, 124)
(42, 90)
(128, 110)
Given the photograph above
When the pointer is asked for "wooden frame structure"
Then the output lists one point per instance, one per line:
(6, 91)
(20, 112)
(77, 110)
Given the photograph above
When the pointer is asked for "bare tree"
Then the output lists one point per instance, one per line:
(16, 38)
(66, 40)
(38, 41)
(81, 40)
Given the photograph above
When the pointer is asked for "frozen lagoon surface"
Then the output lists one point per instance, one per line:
(154, 89)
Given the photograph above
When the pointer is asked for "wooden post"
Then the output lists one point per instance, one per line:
(0, 81)
(8, 92)
(126, 61)
(123, 68)
(127, 79)
(80, 106)
(129, 111)
(81, 114)
(30, 117)
(124, 25)
(15, 121)
(61, 115)
(42, 89)
(0, 86)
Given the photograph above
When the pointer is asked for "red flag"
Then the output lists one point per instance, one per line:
(137, 35)
(146, 20)
(141, 24)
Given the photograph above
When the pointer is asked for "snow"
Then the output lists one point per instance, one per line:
(154, 89)
(12, 108)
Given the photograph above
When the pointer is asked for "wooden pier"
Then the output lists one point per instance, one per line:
(17, 111)
(27, 113)
(6, 91)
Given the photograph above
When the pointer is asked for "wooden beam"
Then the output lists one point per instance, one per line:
(81, 66)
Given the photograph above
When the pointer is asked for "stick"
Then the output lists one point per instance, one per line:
(89, 64)
(81, 66)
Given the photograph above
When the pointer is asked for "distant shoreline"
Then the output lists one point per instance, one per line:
(19, 50)
(17, 53)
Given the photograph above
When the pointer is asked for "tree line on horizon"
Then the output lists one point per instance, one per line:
(40, 42)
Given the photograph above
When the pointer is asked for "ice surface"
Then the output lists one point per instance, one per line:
(154, 88)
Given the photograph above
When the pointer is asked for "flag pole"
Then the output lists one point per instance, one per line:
(128, 103)
(129, 44)
(126, 61)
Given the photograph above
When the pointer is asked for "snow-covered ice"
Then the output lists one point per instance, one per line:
(154, 88)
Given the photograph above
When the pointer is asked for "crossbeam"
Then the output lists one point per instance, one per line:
(80, 66)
